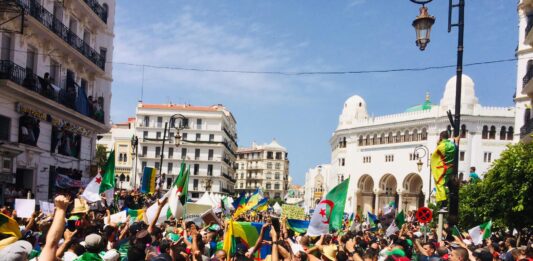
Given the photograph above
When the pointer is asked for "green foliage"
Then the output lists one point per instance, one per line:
(273, 201)
(101, 156)
(505, 193)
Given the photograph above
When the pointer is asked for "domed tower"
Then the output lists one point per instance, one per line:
(468, 95)
(354, 110)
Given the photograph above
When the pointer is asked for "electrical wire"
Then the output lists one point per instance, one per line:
(295, 73)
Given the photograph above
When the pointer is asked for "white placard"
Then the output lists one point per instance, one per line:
(120, 217)
(24, 207)
(46, 207)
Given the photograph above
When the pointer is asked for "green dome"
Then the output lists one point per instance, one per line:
(422, 107)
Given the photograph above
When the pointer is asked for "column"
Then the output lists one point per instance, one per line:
(376, 203)
(400, 204)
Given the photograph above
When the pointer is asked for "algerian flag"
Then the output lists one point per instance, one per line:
(104, 183)
(481, 232)
(330, 211)
(178, 193)
(396, 225)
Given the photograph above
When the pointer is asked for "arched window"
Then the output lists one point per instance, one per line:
(398, 137)
(463, 131)
(360, 141)
(375, 139)
(128, 178)
(415, 135)
(510, 133)
(122, 177)
(492, 133)
(449, 130)
(503, 133)
(407, 137)
(382, 138)
(485, 132)
(390, 138)
(424, 135)
(367, 140)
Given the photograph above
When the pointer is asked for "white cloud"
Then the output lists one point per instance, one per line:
(190, 43)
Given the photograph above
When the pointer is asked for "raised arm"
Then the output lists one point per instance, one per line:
(160, 205)
(56, 230)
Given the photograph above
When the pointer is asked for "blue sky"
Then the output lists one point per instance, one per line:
(301, 112)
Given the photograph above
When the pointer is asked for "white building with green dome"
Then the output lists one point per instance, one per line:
(377, 153)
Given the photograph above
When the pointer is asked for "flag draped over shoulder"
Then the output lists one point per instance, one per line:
(9, 226)
(148, 180)
(104, 183)
(329, 213)
(247, 234)
(480, 233)
(442, 167)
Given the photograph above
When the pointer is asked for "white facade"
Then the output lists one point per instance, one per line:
(208, 145)
(263, 166)
(377, 153)
(119, 139)
(524, 85)
(318, 181)
(48, 125)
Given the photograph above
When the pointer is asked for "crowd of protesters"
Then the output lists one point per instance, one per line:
(76, 231)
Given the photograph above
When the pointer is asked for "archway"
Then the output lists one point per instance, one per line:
(387, 187)
(365, 194)
(412, 195)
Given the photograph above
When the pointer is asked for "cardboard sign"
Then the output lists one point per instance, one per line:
(24, 207)
(120, 217)
(209, 217)
(292, 212)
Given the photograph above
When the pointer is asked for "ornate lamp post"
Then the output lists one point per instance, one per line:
(420, 164)
(422, 25)
(135, 153)
(177, 139)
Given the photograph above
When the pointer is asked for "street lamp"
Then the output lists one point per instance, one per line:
(177, 138)
(455, 121)
(422, 25)
(420, 164)
(135, 153)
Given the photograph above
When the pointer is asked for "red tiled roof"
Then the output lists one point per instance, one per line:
(184, 107)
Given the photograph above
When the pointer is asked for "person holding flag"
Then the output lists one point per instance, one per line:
(102, 183)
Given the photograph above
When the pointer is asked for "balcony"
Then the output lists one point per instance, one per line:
(526, 130)
(73, 97)
(99, 10)
(528, 34)
(527, 84)
(228, 177)
(43, 16)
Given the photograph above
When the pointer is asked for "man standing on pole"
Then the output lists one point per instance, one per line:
(442, 166)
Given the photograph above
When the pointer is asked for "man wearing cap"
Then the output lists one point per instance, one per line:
(93, 244)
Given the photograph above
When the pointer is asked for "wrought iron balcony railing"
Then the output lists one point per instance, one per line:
(99, 10)
(527, 129)
(529, 74)
(37, 11)
(73, 96)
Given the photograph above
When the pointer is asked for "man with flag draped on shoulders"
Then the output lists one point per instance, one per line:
(442, 166)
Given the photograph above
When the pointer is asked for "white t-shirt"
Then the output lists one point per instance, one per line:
(69, 256)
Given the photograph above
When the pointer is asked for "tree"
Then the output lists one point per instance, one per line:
(101, 156)
(505, 193)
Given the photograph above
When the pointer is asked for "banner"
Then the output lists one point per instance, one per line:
(292, 212)
(66, 182)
